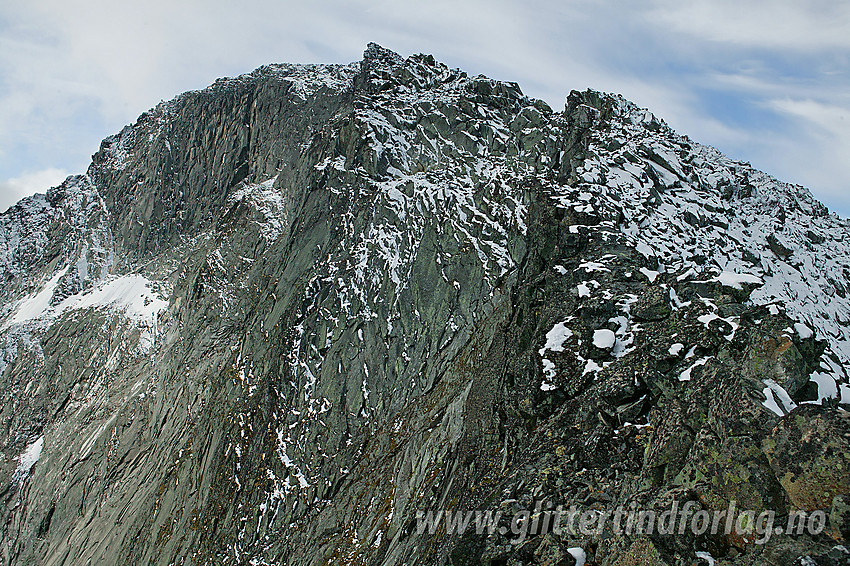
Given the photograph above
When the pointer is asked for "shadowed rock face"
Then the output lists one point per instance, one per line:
(279, 317)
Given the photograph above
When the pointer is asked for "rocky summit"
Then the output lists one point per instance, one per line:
(323, 314)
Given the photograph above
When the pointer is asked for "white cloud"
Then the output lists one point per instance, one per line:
(13, 190)
(833, 120)
(780, 24)
(819, 158)
(73, 72)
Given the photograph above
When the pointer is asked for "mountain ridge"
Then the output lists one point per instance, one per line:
(310, 292)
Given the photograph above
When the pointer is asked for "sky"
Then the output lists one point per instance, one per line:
(764, 82)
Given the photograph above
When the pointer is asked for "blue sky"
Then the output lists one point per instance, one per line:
(765, 82)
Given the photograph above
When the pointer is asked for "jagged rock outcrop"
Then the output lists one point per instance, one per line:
(280, 316)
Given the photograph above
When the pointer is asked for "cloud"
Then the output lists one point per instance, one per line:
(73, 72)
(820, 157)
(833, 120)
(13, 190)
(803, 25)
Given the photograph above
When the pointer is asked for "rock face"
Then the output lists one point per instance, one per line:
(280, 317)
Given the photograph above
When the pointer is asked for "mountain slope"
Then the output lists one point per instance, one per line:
(280, 316)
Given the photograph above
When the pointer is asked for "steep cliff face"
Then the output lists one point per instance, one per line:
(280, 316)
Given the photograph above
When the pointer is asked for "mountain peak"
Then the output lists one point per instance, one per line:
(378, 55)
(282, 318)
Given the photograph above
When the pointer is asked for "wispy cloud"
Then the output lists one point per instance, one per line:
(14, 189)
(822, 148)
(73, 72)
(783, 25)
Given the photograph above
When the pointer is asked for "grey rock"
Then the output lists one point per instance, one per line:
(280, 316)
(652, 305)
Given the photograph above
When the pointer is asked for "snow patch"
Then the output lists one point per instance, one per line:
(36, 305)
(28, 459)
(556, 337)
(604, 339)
(774, 391)
(686, 375)
(803, 331)
(650, 274)
(736, 280)
(579, 554)
(131, 295)
(827, 388)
